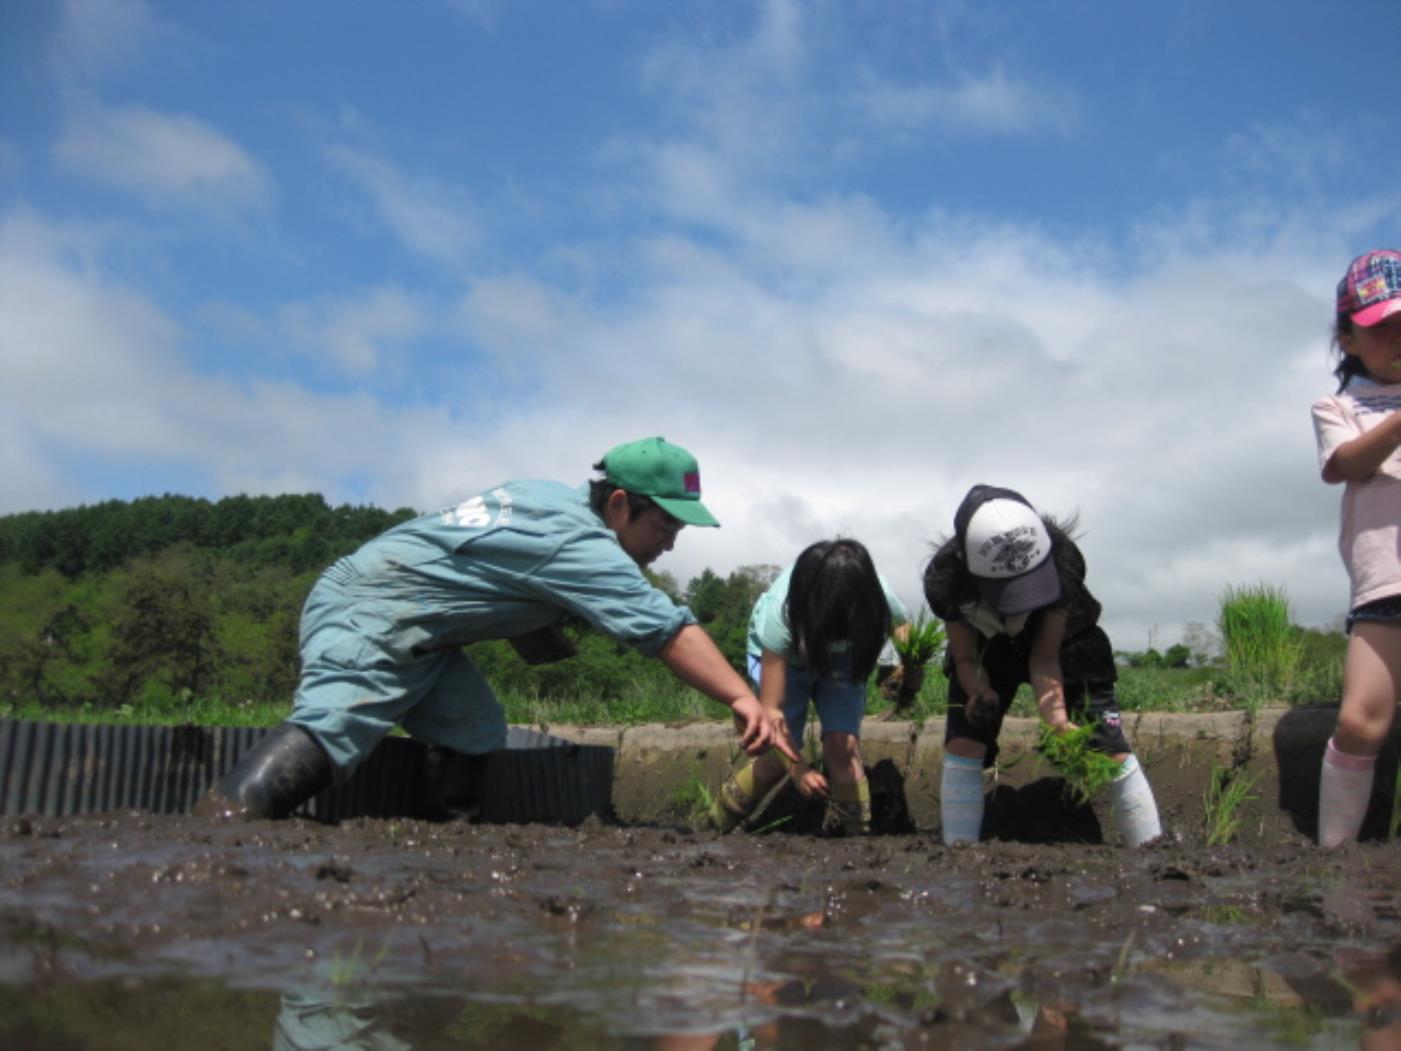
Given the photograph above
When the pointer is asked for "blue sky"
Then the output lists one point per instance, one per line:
(856, 256)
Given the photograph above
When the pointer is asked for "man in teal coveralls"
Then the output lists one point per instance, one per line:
(383, 629)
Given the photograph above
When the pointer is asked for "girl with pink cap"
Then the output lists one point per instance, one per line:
(1359, 435)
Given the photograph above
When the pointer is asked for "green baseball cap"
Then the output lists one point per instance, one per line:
(665, 473)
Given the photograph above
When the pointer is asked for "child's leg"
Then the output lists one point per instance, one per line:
(849, 808)
(1371, 681)
(969, 745)
(961, 791)
(841, 704)
(1130, 795)
(754, 779)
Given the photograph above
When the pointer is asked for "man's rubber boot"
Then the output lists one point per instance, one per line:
(277, 775)
(452, 784)
(848, 809)
(736, 800)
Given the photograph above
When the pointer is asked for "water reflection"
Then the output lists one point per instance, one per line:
(326, 1021)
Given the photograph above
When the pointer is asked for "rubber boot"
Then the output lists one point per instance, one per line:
(848, 809)
(279, 773)
(736, 800)
(452, 784)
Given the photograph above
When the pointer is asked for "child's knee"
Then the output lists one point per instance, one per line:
(840, 745)
(965, 747)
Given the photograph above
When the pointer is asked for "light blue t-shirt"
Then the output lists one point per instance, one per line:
(498, 565)
(768, 624)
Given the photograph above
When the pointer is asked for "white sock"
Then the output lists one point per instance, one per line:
(1135, 810)
(961, 799)
(1344, 788)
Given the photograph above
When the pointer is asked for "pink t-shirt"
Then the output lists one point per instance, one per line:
(1370, 537)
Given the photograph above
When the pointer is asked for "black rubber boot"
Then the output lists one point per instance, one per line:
(451, 785)
(279, 773)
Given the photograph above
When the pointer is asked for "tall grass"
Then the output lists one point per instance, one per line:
(1263, 650)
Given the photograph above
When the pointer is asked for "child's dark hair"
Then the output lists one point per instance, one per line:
(1349, 365)
(835, 595)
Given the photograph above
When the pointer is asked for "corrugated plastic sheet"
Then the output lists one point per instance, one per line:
(56, 769)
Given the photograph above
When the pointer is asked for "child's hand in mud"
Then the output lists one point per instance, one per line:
(810, 783)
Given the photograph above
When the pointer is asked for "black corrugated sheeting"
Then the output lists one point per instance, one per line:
(55, 769)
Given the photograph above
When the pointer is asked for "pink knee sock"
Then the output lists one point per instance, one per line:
(1344, 787)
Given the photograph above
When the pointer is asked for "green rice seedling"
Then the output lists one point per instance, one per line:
(922, 642)
(1227, 790)
(692, 801)
(916, 643)
(776, 823)
(1070, 753)
(1262, 648)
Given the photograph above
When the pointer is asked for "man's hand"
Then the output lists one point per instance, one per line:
(757, 733)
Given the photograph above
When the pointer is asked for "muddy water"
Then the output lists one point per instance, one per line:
(135, 931)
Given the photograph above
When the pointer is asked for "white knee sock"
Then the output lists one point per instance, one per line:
(961, 799)
(1344, 787)
(1135, 810)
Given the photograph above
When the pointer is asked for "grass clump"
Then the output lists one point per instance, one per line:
(692, 802)
(1071, 754)
(1227, 790)
(1262, 648)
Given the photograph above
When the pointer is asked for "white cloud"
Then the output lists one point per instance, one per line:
(431, 218)
(993, 103)
(485, 13)
(96, 37)
(91, 371)
(354, 332)
(164, 158)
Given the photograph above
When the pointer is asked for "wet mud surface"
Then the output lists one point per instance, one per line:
(135, 930)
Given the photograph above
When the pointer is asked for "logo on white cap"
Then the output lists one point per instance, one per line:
(1005, 539)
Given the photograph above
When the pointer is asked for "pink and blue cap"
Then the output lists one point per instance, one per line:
(1370, 291)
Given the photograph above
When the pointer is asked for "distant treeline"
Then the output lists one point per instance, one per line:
(163, 600)
(296, 532)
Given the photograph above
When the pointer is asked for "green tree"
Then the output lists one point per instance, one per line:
(163, 632)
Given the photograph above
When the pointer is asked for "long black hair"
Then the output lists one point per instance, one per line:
(1349, 365)
(835, 595)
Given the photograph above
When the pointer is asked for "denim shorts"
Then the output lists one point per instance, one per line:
(840, 703)
(1382, 611)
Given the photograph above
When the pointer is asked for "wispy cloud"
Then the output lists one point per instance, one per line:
(96, 37)
(992, 104)
(431, 218)
(166, 159)
(353, 332)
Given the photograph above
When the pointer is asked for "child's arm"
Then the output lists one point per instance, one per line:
(1047, 683)
(773, 680)
(1358, 458)
(963, 647)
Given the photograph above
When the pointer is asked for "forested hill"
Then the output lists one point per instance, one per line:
(296, 532)
(163, 601)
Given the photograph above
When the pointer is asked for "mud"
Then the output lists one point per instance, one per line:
(131, 930)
